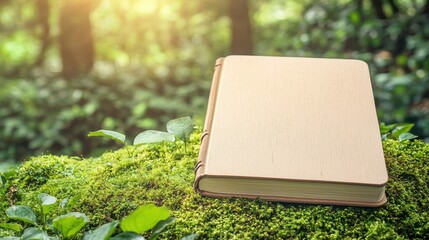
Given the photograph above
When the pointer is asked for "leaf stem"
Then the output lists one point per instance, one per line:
(129, 154)
(44, 224)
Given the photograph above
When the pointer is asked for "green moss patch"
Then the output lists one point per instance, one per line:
(113, 185)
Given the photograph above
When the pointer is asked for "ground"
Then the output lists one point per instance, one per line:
(114, 184)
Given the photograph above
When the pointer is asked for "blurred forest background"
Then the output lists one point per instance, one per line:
(73, 66)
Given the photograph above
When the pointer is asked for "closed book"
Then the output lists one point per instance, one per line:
(292, 129)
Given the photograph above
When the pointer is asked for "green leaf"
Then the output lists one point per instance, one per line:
(34, 234)
(102, 233)
(64, 202)
(119, 137)
(386, 128)
(70, 224)
(160, 227)
(191, 236)
(152, 136)
(406, 136)
(47, 201)
(401, 128)
(144, 218)
(127, 236)
(385, 136)
(22, 213)
(73, 200)
(181, 128)
(12, 226)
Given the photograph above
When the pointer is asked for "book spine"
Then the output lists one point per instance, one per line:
(200, 166)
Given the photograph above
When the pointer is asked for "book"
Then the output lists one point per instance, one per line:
(292, 129)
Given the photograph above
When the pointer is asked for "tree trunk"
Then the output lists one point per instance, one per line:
(378, 7)
(76, 43)
(426, 8)
(241, 29)
(42, 7)
(394, 6)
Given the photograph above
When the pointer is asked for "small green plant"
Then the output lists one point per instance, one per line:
(177, 128)
(145, 218)
(5, 178)
(64, 226)
(7, 188)
(181, 128)
(398, 131)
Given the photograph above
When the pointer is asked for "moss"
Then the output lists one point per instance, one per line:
(113, 185)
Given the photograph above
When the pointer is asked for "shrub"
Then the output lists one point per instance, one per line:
(113, 185)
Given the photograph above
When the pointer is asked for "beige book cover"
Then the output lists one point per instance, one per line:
(292, 129)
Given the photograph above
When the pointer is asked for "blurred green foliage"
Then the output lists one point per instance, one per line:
(154, 61)
(56, 116)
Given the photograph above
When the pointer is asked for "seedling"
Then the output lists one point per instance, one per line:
(177, 128)
(399, 131)
(116, 136)
(145, 218)
(66, 226)
(181, 128)
(6, 177)
(47, 202)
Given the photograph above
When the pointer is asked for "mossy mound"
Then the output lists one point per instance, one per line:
(113, 185)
